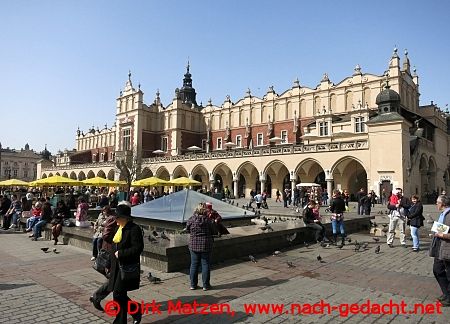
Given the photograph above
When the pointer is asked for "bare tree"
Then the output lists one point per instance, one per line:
(129, 167)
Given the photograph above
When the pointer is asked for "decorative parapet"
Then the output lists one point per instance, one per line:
(263, 151)
(81, 166)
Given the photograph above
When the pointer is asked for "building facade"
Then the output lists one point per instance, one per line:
(367, 131)
(22, 165)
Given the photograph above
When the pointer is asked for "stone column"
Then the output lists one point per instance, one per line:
(172, 188)
(329, 187)
(235, 188)
(263, 185)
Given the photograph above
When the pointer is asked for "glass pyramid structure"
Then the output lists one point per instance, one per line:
(179, 207)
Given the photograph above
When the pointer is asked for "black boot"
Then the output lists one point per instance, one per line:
(335, 239)
(343, 240)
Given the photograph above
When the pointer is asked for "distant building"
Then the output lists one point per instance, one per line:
(366, 131)
(22, 165)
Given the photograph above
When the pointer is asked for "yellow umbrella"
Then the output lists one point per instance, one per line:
(147, 182)
(183, 181)
(101, 182)
(56, 181)
(13, 183)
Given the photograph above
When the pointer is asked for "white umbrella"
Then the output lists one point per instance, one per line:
(275, 139)
(307, 184)
(194, 148)
(230, 144)
(159, 152)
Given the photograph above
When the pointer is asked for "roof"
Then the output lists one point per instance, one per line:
(179, 207)
(386, 117)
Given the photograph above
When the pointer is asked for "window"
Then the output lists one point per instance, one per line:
(323, 128)
(219, 143)
(111, 156)
(94, 157)
(203, 144)
(15, 173)
(126, 139)
(25, 173)
(102, 157)
(284, 137)
(238, 141)
(259, 139)
(359, 125)
(164, 144)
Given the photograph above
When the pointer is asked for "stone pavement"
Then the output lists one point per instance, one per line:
(43, 287)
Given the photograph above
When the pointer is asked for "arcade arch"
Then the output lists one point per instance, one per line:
(349, 174)
(223, 177)
(248, 179)
(276, 174)
(81, 176)
(111, 175)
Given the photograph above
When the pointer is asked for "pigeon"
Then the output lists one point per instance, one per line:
(340, 246)
(291, 237)
(290, 264)
(252, 258)
(385, 229)
(365, 245)
(349, 240)
(373, 224)
(376, 239)
(264, 218)
(44, 249)
(164, 236)
(55, 251)
(319, 258)
(266, 228)
(324, 245)
(357, 247)
(153, 279)
(377, 249)
(152, 239)
(277, 253)
(155, 233)
(306, 244)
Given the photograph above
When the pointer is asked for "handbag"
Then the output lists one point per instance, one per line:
(130, 272)
(102, 262)
(434, 247)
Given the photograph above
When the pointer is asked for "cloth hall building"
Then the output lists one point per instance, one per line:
(367, 131)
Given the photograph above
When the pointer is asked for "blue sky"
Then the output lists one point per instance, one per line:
(63, 63)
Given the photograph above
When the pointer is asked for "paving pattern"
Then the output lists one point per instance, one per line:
(53, 287)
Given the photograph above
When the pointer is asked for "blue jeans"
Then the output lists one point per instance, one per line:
(335, 224)
(415, 236)
(15, 217)
(38, 228)
(32, 221)
(96, 246)
(197, 259)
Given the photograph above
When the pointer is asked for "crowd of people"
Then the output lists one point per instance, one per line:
(114, 231)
